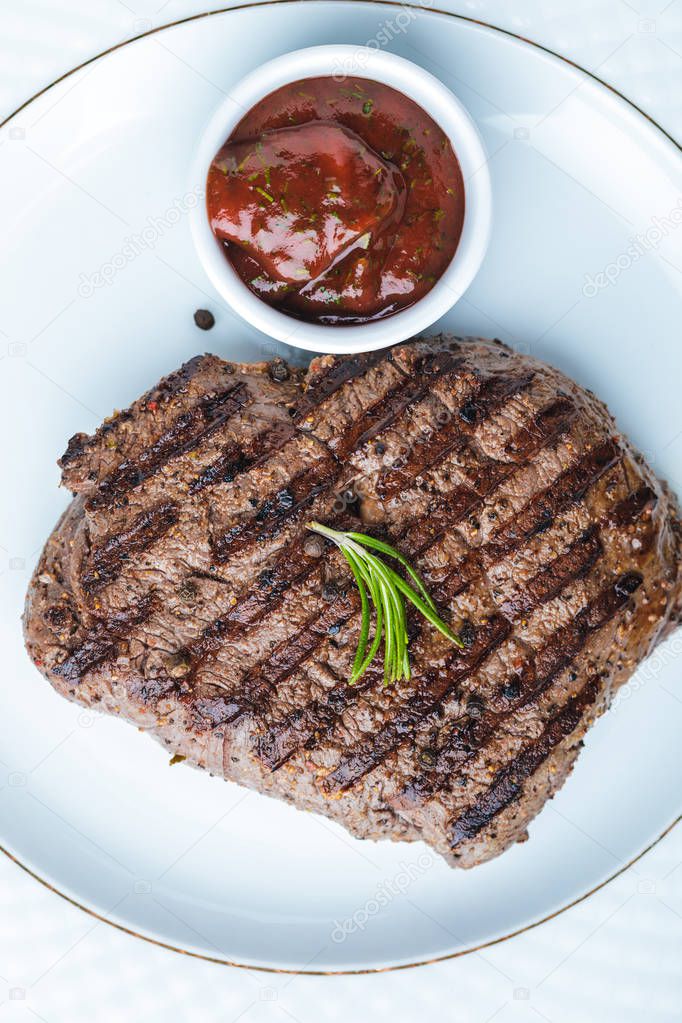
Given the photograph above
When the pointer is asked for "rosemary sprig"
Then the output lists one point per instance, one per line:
(382, 587)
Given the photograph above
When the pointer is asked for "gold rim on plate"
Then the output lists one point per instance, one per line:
(621, 870)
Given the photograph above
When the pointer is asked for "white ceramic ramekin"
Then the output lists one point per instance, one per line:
(446, 110)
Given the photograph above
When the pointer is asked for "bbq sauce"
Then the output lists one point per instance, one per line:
(337, 202)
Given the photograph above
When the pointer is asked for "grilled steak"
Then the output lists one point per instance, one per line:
(182, 591)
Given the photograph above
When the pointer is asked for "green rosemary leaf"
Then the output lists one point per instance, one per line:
(386, 548)
(390, 632)
(364, 628)
(394, 609)
(430, 615)
(383, 589)
(375, 595)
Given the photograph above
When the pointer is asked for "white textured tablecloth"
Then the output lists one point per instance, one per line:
(617, 956)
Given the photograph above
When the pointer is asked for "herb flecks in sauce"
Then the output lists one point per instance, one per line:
(303, 199)
(337, 203)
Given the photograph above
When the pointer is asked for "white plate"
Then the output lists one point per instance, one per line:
(93, 181)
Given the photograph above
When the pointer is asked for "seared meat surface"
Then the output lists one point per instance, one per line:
(182, 591)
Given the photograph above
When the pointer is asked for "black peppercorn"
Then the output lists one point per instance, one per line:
(278, 370)
(512, 689)
(467, 633)
(468, 413)
(204, 319)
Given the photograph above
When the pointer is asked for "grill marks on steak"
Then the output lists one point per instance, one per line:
(279, 744)
(549, 582)
(136, 481)
(469, 735)
(291, 705)
(103, 640)
(274, 669)
(185, 434)
(454, 431)
(306, 726)
(507, 784)
(542, 508)
(237, 459)
(107, 559)
(287, 504)
(449, 508)
(432, 687)
(81, 446)
(284, 506)
(399, 399)
(535, 517)
(337, 373)
(579, 557)
(532, 680)
(297, 729)
(291, 569)
(536, 677)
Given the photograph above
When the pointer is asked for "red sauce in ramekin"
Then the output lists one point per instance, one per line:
(337, 202)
